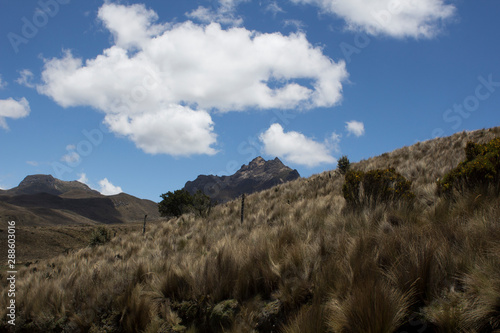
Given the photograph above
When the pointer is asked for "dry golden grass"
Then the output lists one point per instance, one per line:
(299, 263)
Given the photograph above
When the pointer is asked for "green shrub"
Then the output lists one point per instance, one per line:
(480, 169)
(343, 165)
(472, 150)
(176, 203)
(202, 204)
(375, 186)
(100, 235)
(350, 189)
(386, 185)
(181, 201)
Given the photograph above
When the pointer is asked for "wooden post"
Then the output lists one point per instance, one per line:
(144, 227)
(242, 206)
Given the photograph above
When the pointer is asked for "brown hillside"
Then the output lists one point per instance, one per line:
(300, 262)
(45, 200)
(54, 216)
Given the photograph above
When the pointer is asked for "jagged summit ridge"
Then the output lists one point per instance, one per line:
(259, 162)
(257, 175)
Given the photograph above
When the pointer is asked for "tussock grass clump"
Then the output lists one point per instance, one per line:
(299, 263)
(372, 307)
(310, 319)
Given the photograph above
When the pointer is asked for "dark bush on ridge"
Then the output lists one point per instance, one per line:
(480, 169)
(343, 165)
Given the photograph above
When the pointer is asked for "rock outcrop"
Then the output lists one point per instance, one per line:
(256, 176)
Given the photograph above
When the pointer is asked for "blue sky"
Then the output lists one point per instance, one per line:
(144, 96)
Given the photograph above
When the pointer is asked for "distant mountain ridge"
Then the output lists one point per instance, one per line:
(35, 184)
(256, 176)
(45, 200)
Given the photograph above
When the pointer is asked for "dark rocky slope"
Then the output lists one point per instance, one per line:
(258, 175)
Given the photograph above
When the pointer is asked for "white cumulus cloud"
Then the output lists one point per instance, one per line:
(355, 127)
(132, 26)
(295, 147)
(26, 78)
(174, 130)
(71, 157)
(158, 83)
(14, 109)
(83, 179)
(107, 188)
(395, 18)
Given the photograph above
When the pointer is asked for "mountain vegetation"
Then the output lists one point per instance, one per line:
(403, 255)
(343, 164)
(181, 202)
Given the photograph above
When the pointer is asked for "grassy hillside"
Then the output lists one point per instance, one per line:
(300, 262)
(34, 243)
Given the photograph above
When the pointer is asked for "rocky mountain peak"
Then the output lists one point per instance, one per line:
(254, 164)
(257, 175)
(257, 161)
(259, 164)
(37, 179)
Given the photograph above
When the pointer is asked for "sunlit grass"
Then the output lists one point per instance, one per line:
(299, 263)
